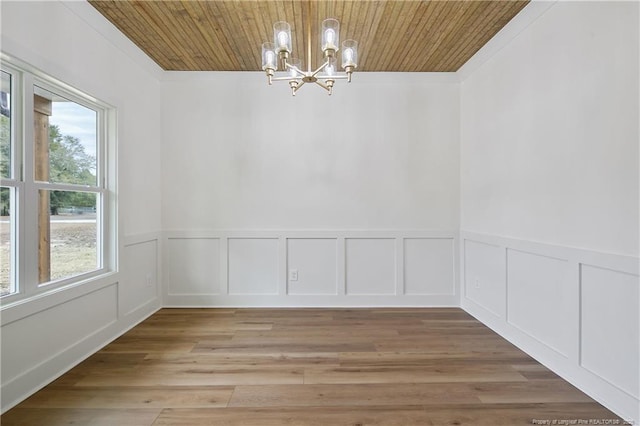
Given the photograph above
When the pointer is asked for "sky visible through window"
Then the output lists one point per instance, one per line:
(77, 121)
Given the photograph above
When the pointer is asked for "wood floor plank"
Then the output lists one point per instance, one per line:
(532, 391)
(423, 374)
(247, 360)
(516, 359)
(148, 345)
(200, 333)
(432, 366)
(352, 395)
(198, 377)
(79, 416)
(465, 345)
(313, 334)
(311, 416)
(132, 397)
(68, 379)
(284, 348)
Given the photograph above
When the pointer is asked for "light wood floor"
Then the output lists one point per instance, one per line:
(307, 367)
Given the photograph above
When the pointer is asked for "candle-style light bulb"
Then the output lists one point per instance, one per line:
(283, 39)
(295, 63)
(348, 55)
(270, 59)
(330, 70)
(330, 36)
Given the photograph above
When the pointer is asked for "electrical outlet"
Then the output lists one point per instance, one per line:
(149, 280)
(477, 283)
(293, 275)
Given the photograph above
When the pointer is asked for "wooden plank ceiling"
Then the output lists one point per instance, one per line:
(226, 35)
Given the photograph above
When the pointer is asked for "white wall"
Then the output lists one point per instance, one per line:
(44, 337)
(378, 160)
(381, 152)
(549, 196)
(550, 132)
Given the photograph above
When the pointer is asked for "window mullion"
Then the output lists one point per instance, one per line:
(28, 214)
(67, 187)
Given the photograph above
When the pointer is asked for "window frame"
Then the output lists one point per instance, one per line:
(14, 181)
(24, 78)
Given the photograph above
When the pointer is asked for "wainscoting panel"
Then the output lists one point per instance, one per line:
(540, 298)
(610, 326)
(371, 266)
(335, 268)
(45, 336)
(194, 265)
(140, 283)
(253, 266)
(485, 276)
(315, 261)
(54, 330)
(574, 310)
(429, 266)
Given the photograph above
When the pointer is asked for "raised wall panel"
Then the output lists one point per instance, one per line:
(610, 326)
(43, 335)
(574, 310)
(315, 260)
(194, 265)
(335, 268)
(253, 266)
(140, 283)
(484, 276)
(540, 298)
(428, 266)
(370, 266)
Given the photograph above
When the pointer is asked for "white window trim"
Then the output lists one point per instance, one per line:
(25, 266)
(15, 181)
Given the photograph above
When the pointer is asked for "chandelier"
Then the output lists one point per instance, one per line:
(276, 56)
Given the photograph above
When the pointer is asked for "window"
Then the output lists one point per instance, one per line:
(56, 225)
(8, 188)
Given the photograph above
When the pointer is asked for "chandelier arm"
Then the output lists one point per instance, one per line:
(298, 86)
(296, 69)
(320, 68)
(324, 86)
(332, 77)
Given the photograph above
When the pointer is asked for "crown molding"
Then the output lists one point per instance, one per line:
(527, 16)
(95, 20)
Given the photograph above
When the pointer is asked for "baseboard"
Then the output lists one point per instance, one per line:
(315, 301)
